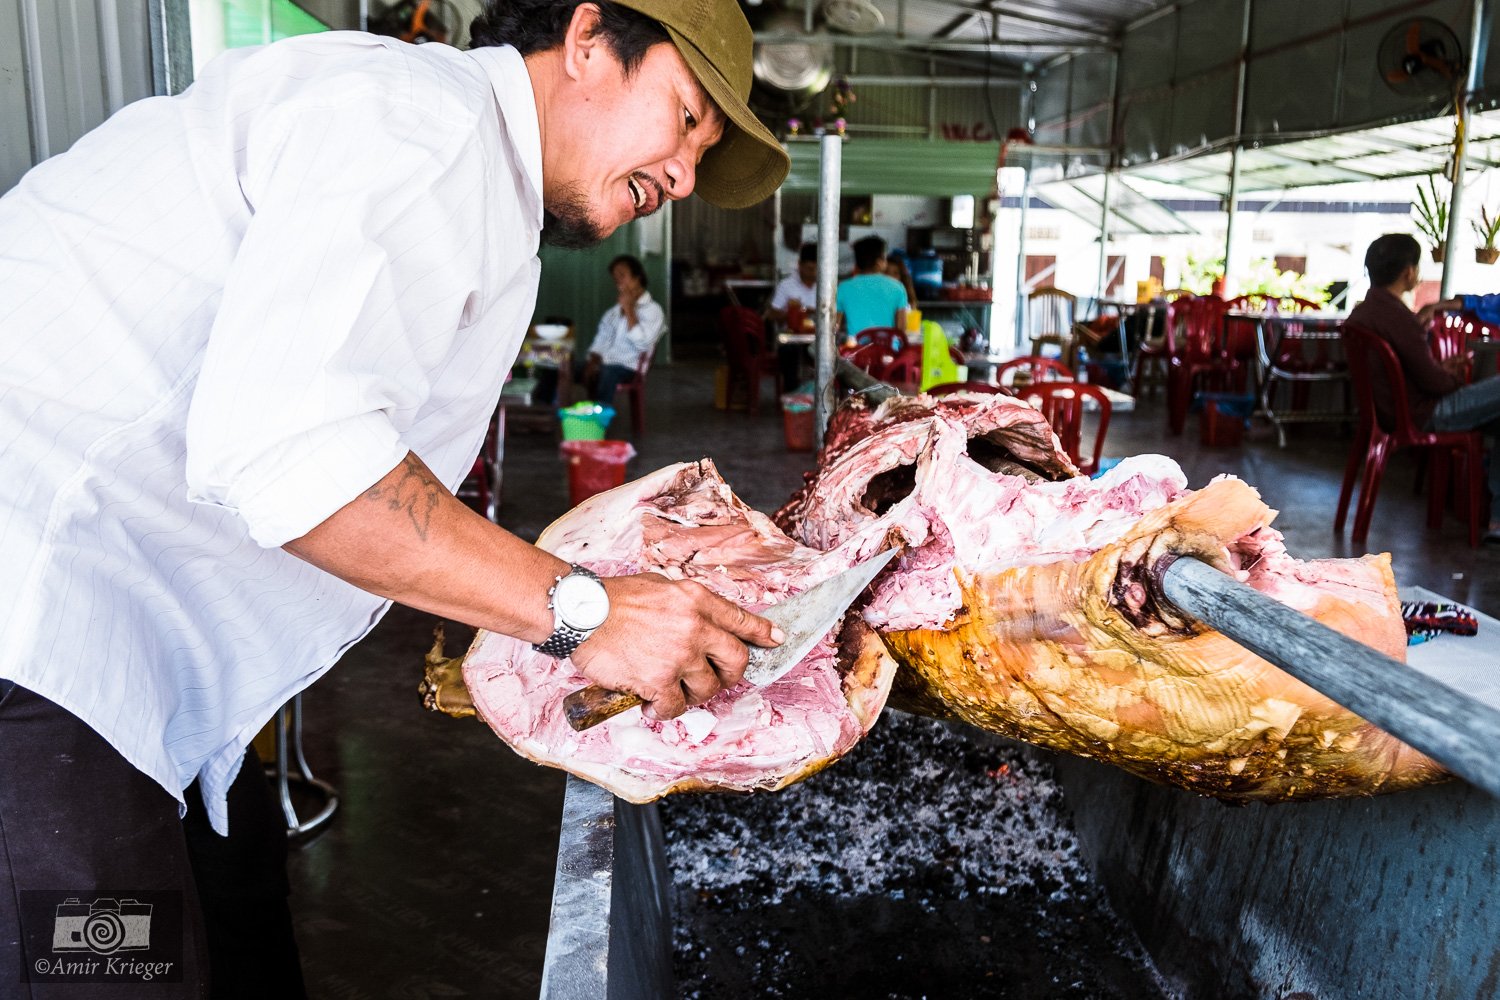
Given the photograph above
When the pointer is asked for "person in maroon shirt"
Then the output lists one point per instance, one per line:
(1438, 398)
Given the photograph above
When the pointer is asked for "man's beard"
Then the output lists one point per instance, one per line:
(567, 222)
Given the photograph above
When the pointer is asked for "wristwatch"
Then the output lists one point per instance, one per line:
(579, 605)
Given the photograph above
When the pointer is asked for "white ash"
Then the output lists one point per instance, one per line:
(914, 794)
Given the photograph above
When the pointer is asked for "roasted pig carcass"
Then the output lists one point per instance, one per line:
(1026, 602)
(685, 523)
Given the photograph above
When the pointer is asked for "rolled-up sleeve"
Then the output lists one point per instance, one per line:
(362, 254)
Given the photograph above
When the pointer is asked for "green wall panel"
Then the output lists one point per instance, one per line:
(875, 166)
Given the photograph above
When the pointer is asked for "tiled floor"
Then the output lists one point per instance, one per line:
(435, 877)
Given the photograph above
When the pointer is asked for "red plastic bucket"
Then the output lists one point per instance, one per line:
(797, 420)
(595, 466)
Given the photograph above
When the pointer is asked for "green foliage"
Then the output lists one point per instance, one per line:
(1431, 210)
(1263, 279)
(1200, 273)
(1487, 228)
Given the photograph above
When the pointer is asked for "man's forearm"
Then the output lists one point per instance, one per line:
(408, 538)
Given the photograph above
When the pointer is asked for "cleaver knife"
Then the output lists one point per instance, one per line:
(805, 618)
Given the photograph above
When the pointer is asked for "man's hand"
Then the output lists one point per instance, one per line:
(1458, 365)
(672, 642)
(1431, 309)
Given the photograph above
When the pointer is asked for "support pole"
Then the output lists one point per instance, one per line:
(1461, 148)
(1457, 731)
(1241, 76)
(825, 349)
(1103, 241)
(1021, 262)
(1231, 209)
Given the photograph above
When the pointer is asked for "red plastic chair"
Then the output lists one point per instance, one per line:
(744, 333)
(481, 487)
(1157, 357)
(635, 388)
(989, 388)
(1039, 368)
(1063, 404)
(905, 369)
(1200, 362)
(890, 338)
(1368, 355)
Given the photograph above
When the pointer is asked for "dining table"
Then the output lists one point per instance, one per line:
(1283, 342)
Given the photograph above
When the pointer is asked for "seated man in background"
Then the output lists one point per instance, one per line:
(1435, 391)
(871, 297)
(792, 304)
(629, 329)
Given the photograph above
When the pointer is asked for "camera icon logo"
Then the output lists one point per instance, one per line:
(103, 927)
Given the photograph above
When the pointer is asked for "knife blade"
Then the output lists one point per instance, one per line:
(805, 619)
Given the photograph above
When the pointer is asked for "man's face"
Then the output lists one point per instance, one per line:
(807, 271)
(621, 148)
(625, 279)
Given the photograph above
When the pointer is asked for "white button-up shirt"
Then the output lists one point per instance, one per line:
(620, 343)
(222, 317)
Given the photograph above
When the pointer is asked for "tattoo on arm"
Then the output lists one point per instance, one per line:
(414, 490)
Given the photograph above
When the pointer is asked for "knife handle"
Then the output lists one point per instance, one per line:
(587, 707)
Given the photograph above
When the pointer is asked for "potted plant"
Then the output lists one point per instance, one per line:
(1432, 217)
(1486, 228)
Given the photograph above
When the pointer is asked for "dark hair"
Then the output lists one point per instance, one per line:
(634, 266)
(868, 251)
(808, 254)
(1389, 257)
(538, 25)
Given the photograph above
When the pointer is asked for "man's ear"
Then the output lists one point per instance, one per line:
(582, 41)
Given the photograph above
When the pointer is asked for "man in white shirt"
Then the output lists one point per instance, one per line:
(627, 330)
(795, 297)
(250, 340)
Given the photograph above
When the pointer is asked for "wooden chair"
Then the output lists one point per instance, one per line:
(1038, 369)
(1063, 404)
(635, 388)
(1051, 312)
(744, 333)
(1370, 358)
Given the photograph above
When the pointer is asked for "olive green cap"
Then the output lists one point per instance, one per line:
(747, 164)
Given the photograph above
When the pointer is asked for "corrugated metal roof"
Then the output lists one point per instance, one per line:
(1410, 149)
(1008, 33)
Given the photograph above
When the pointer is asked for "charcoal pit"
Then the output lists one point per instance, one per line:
(930, 862)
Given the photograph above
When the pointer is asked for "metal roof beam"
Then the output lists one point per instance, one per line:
(889, 41)
(1089, 30)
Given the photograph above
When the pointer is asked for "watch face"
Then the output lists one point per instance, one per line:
(581, 602)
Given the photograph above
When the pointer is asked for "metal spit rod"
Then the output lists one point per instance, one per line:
(1459, 732)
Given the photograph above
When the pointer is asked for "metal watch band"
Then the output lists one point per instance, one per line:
(564, 638)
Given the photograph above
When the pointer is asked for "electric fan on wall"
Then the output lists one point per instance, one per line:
(1421, 58)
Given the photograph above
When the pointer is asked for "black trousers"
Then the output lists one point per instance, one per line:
(76, 817)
